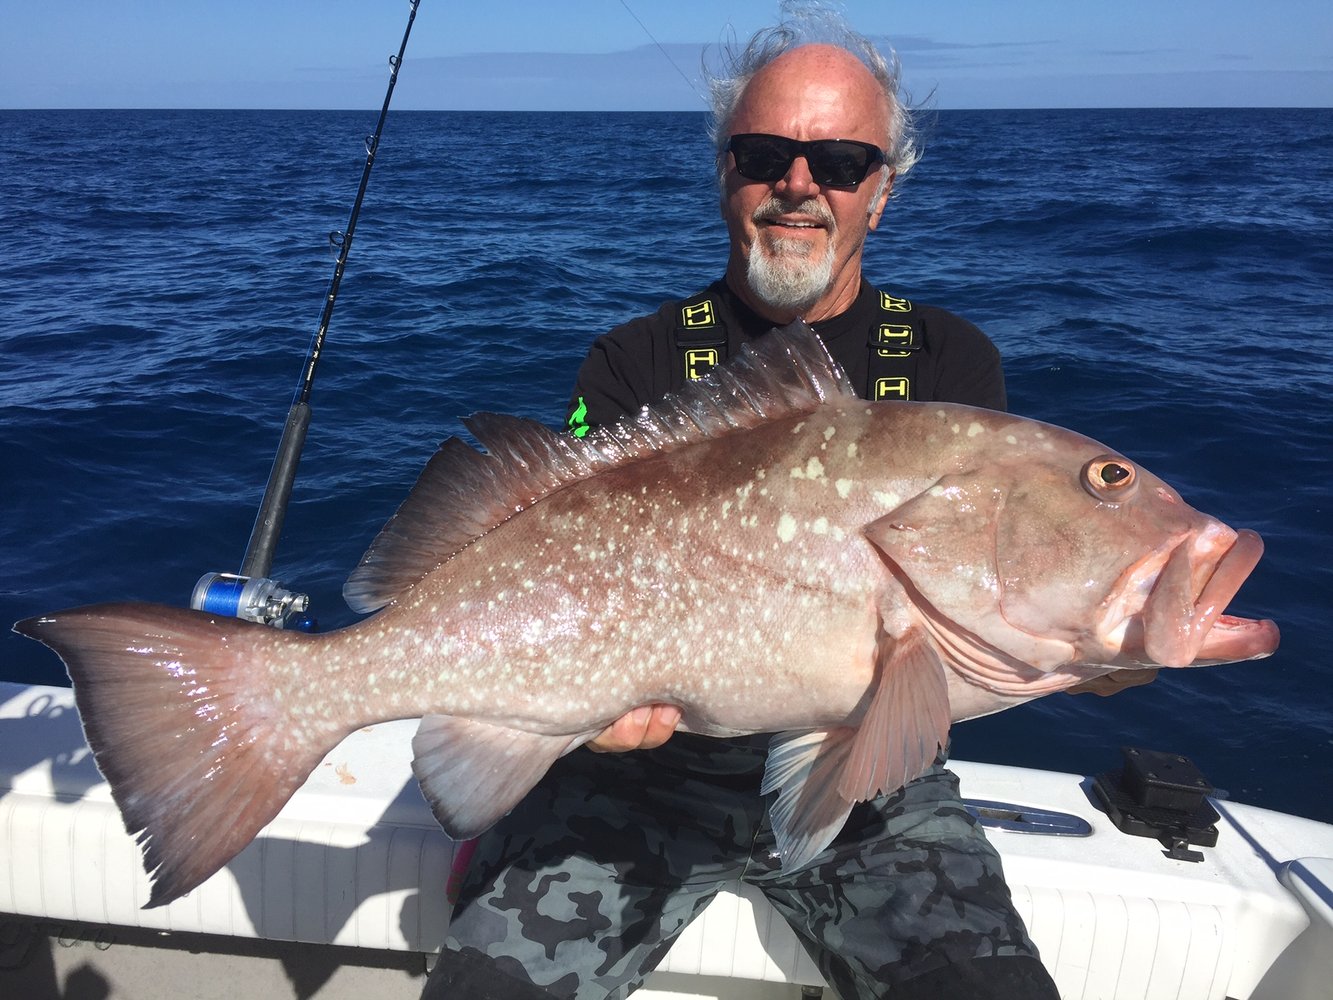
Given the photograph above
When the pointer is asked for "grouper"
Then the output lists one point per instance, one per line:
(764, 550)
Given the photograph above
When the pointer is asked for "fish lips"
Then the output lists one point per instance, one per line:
(1180, 629)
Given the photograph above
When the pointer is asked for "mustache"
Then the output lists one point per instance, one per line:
(774, 207)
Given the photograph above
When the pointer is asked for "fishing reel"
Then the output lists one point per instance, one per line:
(254, 599)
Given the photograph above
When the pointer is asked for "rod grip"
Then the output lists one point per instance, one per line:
(272, 511)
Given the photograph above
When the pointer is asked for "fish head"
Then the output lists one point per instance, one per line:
(1047, 549)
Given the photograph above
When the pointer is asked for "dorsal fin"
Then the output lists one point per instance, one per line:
(463, 493)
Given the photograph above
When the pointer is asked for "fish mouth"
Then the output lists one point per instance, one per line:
(1181, 629)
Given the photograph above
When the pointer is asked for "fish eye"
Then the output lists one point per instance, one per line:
(1110, 478)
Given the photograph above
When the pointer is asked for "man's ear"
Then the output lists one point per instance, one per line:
(877, 208)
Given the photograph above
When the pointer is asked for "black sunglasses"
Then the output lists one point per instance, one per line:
(833, 162)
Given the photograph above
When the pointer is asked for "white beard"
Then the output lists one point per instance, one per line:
(787, 279)
(783, 273)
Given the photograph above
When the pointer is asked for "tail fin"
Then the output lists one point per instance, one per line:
(198, 752)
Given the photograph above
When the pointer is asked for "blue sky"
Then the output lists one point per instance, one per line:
(596, 55)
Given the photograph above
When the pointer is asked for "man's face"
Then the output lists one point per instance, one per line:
(795, 244)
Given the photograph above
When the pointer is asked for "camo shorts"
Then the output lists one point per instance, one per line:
(580, 891)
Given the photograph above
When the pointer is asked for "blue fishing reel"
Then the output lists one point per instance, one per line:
(254, 599)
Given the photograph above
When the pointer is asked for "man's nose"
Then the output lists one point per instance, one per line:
(797, 183)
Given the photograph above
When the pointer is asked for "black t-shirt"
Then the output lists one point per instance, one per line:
(639, 362)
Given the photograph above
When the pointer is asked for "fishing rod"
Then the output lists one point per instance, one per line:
(251, 594)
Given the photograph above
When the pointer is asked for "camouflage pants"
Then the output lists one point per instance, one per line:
(583, 888)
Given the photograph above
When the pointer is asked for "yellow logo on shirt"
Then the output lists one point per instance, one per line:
(893, 388)
(699, 361)
(698, 315)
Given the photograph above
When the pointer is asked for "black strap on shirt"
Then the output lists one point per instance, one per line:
(895, 346)
(700, 336)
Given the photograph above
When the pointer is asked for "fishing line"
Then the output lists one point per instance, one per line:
(250, 594)
(662, 49)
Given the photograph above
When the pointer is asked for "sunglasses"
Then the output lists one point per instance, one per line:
(833, 162)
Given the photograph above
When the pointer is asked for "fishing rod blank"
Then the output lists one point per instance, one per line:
(251, 594)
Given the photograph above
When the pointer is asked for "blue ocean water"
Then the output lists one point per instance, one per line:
(1162, 280)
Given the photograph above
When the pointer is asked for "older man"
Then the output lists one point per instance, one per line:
(581, 890)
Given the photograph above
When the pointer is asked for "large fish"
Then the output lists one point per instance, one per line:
(765, 550)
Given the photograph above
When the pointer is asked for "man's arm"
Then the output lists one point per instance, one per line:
(619, 375)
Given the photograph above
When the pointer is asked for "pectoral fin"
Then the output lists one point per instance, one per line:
(473, 773)
(820, 775)
(906, 724)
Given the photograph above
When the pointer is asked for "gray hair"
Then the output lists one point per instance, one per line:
(806, 24)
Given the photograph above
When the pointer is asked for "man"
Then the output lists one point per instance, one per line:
(582, 889)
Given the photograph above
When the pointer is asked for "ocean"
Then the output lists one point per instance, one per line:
(1159, 279)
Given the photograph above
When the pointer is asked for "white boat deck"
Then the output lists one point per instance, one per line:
(354, 872)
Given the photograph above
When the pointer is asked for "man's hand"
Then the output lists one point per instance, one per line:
(646, 727)
(1113, 683)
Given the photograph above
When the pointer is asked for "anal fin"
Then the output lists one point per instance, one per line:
(473, 773)
(803, 768)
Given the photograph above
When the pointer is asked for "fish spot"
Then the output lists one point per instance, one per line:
(887, 499)
(786, 527)
(820, 526)
(851, 449)
(829, 431)
(1010, 439)
(975, 428)
(813, 470)
(844, 487)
